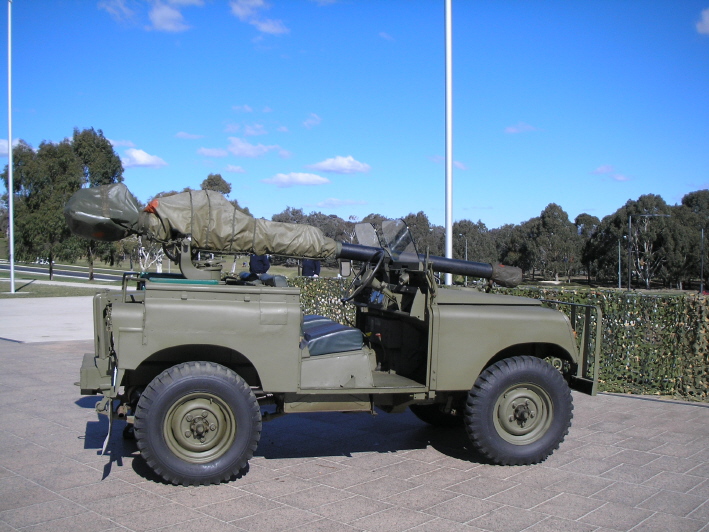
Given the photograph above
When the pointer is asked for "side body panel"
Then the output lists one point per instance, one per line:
(466, 337)
(262, 324)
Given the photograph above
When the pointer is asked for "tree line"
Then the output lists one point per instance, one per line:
(646, 240)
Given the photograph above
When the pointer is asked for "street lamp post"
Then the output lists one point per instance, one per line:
(466, 254)
(619, 273)
(630, 239)
(701, 267)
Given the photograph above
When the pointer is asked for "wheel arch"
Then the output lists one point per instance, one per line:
(540, 350)
(165, 358)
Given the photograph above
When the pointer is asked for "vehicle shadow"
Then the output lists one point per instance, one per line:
(322, 435)
(317, 435)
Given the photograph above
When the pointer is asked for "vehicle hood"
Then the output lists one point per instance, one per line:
(452, 296)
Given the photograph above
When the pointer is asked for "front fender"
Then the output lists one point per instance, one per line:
(466, 338)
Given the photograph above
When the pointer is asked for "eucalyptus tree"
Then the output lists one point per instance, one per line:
(216, 183)
(374, 219)
(586, 227)
(43, 180)
(427, 238)
(689, 225)
(515, 245)
(476, 238)
(290, 216)
(557, 242)
(100, 165)
(642, 228)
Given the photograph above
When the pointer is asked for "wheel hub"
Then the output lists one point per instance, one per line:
(199, 428)
(523, 413)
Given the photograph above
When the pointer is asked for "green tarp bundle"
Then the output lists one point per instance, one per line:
(110, 212)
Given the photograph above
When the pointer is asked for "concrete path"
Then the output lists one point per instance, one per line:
(628, 463)
(44, 319)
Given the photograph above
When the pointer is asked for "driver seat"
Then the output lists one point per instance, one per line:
(323, 336)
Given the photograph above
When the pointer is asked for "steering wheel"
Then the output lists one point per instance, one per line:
(365, 279)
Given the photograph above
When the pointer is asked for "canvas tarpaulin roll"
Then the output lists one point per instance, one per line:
(212, 222)
(106, 213)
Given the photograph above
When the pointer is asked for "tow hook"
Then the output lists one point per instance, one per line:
(102, 406)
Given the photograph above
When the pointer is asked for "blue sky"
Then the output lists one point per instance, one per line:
(338, 105)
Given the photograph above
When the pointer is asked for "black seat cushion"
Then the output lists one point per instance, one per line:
(311, 320)
(331, 337)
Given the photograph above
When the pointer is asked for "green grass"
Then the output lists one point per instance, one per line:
(28, 288)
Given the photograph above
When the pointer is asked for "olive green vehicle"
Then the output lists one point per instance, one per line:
(189, 360)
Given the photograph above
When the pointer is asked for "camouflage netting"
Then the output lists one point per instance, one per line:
(322, 296)
(652, 345)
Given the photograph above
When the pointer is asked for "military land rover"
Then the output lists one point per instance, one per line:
(190, 359)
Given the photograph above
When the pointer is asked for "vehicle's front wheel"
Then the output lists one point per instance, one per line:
(197, 423)
(519, 411)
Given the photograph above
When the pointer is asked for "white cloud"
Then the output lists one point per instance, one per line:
(188, 136)
(341, 165)
(334, 203)
(246, 9)
(604, 169)
(254, 130)
(166, 18)
(121, 143)
(234, 169)
(609, 170)
(703, 24)
(232, 128)
(164, 15)
(384, 35)
(212, 152)
(139, 158)
(295, 179)
(249, 11)
(282, 129)
(118, 9)
(241, 148)
(272, 27)
(242, 108)
(3, 146)
(312, 121)
(186, 2)
(520, 127)
(439, 159)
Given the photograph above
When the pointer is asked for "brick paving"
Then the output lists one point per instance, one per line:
(629, 463)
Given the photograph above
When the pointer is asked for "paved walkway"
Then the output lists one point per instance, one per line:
(629, 463)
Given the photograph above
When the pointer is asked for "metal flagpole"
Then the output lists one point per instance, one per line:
(10, 187)
(449, 137)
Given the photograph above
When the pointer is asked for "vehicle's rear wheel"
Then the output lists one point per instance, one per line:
(519, 411)
(197, 423)
(434, 415)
